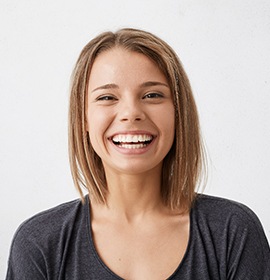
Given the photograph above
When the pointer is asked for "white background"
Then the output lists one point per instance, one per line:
(224, 46)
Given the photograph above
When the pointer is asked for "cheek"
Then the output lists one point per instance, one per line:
(97, 124)
(170, 132)
(95, 119)
(168, 123)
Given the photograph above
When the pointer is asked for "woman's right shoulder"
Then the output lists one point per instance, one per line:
(40, 241)
(49, 222)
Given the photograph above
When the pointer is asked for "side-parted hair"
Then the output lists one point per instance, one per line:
(183, 166)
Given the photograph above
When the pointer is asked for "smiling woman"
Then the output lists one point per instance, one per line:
(136, 53)
(135, 147)
(138, 106)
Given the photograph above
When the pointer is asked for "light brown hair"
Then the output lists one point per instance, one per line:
(183, 165)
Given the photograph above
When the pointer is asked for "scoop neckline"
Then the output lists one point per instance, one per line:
(106, 268)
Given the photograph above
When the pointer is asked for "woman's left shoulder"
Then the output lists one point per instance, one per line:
(227, 217)
(236, 234)
(218, 208)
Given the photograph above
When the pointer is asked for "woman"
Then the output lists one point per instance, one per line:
(135, 146)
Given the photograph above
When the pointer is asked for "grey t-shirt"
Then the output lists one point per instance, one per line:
(226, 241)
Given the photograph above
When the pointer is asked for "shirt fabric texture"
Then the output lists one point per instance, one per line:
(226, 242)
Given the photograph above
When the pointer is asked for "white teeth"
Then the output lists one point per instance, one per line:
(131, 141)
(130, 138)
(132, 146)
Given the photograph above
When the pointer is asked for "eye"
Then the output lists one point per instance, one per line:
(153, 95)
(106, 98)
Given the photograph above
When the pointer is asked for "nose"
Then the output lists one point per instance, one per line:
(131, 111)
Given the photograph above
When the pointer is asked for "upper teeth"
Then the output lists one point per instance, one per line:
(128, 138)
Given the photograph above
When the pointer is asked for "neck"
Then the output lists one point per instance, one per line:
(131, 197)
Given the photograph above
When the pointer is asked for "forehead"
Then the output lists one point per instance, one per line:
(124, 66)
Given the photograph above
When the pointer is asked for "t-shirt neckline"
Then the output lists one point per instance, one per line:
(106, 268)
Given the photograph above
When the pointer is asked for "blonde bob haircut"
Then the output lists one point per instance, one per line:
(183, 165)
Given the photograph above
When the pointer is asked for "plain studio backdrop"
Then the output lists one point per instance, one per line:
(224, 46)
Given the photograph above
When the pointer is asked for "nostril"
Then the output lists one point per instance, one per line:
(131, 113)
(132, 120)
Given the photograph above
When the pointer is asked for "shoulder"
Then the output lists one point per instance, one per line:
(232, 233)
(47, 229)
(221, 212)
(223, 220)
(48, 221)
(216, 206)
(40, 241)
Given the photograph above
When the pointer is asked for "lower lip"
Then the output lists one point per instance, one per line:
(133, 150)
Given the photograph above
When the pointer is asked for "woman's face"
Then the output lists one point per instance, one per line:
(130, 113)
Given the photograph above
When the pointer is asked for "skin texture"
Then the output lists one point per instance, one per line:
(135, 235)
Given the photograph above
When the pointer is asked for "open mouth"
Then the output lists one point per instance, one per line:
(129, 141)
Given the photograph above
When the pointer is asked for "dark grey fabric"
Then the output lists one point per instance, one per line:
(226, 241)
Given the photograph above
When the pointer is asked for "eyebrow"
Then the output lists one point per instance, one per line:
(143, 85)
(153, 83)
(107, 86)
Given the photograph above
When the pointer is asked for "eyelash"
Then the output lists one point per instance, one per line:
(153, 95)
(105, 98)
